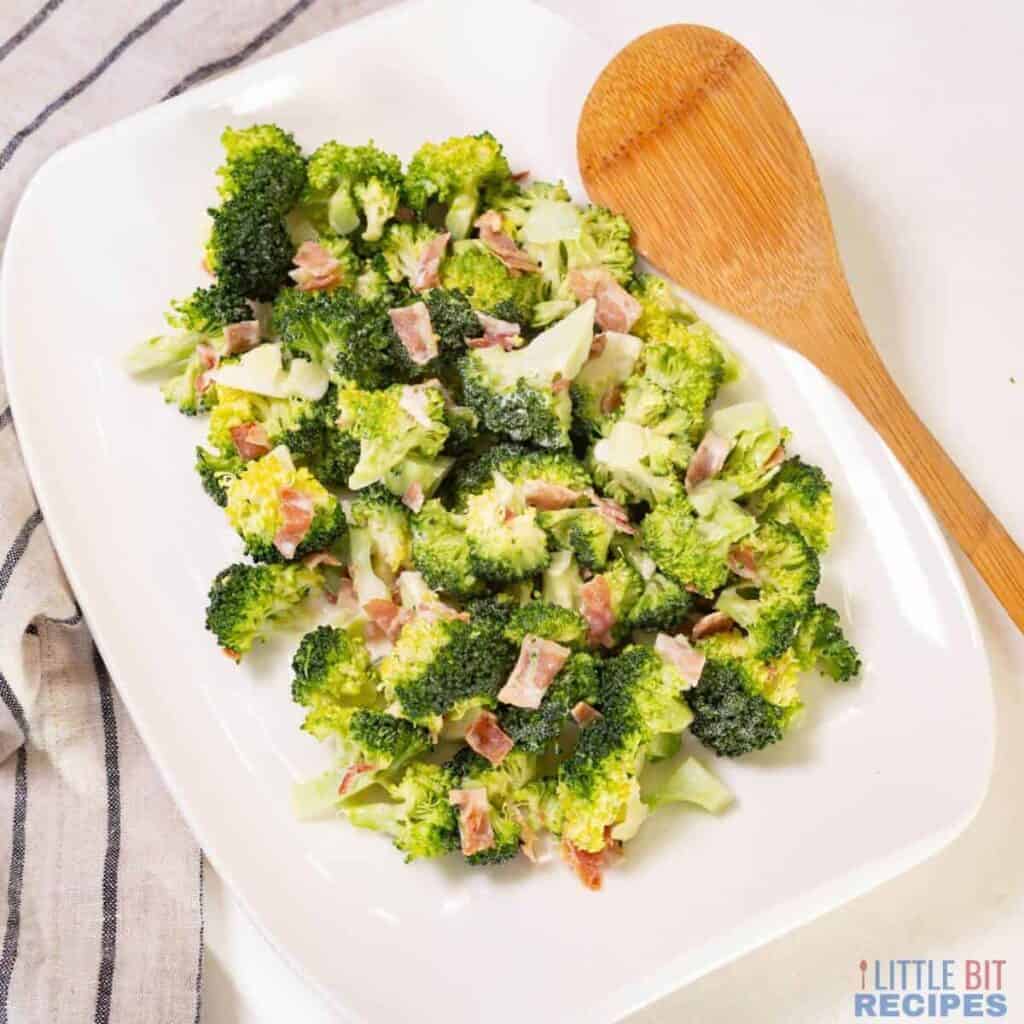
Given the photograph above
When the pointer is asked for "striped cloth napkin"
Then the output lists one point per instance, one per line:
(102, 880)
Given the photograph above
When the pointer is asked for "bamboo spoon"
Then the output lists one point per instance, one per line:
(685, 134)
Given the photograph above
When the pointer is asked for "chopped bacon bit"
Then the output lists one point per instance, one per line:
(588, 866)
(715, 622)
(776, 458)
(583, 714)
(708, 459)
(413, 497)
(315, 268)
(677, 652)
(475, 830)
(520, 175)
(250, 440)
(241, 337)
(297, 513)
(617, 310)
(230, 653)
(560, 384)
(611, 399)
(488, 738)
(502, 246)
(378, 643)
(415, 332)
(613, 512)
(597, 345)
(596, 598)
(415, 402)
(404, 215)
(321, 558)
(539, 662)
(741, 562)
(497, 332)
(383, 614)
(209, 359)
(351, 774)
(426, 273)
(549, 497)
(346, 598)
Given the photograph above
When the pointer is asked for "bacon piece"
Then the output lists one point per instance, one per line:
(613, 512)
(715, 622)
(351, 774)
(315, 268)
(617, 310)
(502, 246)
(611, 399)
(776, 458)
(415, 332)
(426, 273)
(209, 360)
(488, 738)
(321, 558)
(560, 384)
(413, 497)
(475, 830)
(741, 562)
(549, 497)
(297, 512)
(583, 714)
(384, 615)
(378, 643)
(250, 440)
(232, 654)
(520, 175)
(708, 459)
(415, 402)
(241, 337)
(677, 652)
(589, 867)
(404, 215)
(539, 662)
(597, 345)
(596, 599)
(496, 330)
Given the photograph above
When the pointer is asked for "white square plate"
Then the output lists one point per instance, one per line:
(881, 774)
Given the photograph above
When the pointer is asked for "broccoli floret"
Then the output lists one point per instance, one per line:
(339, 330)
(440, 550)
(730, 716)
(820, 644)
(684, 547)
(654, 686)
(442, 666)
(294, 422)
(505, 542)
(799, 494)
(756, 445)
(262, 159)
(519, 393)
(163, 353)
(190, 390)
(518, 464)
(597, 389)
(372, 284)
(386, 520)
(634, 464)
(459, 173)
(663, 605)
(584, 531)
(550, 621)
(403, 248)
(534, 729)
(476, 272)
(255, 508)
(209, 310)
(414, 469)
(602, 241)
(217, 470)
(419, 817)
(352, 185)
(562, 581)
(777, 681)
(332, 673)
(661, 310)
(245, 600)
(388, 431)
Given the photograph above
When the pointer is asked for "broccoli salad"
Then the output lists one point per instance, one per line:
(449, 417)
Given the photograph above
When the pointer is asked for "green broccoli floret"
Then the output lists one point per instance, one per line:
(440, 550)
(489, 285)
(255, 508)
(332, 674)
(245, 600)
(634, 464)
(209, 310)
(583, 531)
(730, 716)
(352, 185)
(777, 681)
(372, 283)
(550, 621)
(403, 248)
(661, 310)
(663, 605)
(505, 542)
(388, 431)
(799, 494)
(597, 389)
(443, 666)
(460, 173)
(518, 465)
(339, 330)
(602, 241)
(757, 444)
(562, 581)
(217, 470)
(820, 644)
(294, 422)
(190, 390)
(533, 730)
(419, 817)
(386, 520)
(265, 160)
(654, 686)
(519, 394)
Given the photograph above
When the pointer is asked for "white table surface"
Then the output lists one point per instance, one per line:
(914, 113)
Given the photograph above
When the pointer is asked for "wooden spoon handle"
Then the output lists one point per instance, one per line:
(858, 369)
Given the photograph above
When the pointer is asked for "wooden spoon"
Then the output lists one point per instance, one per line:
(687, 136)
